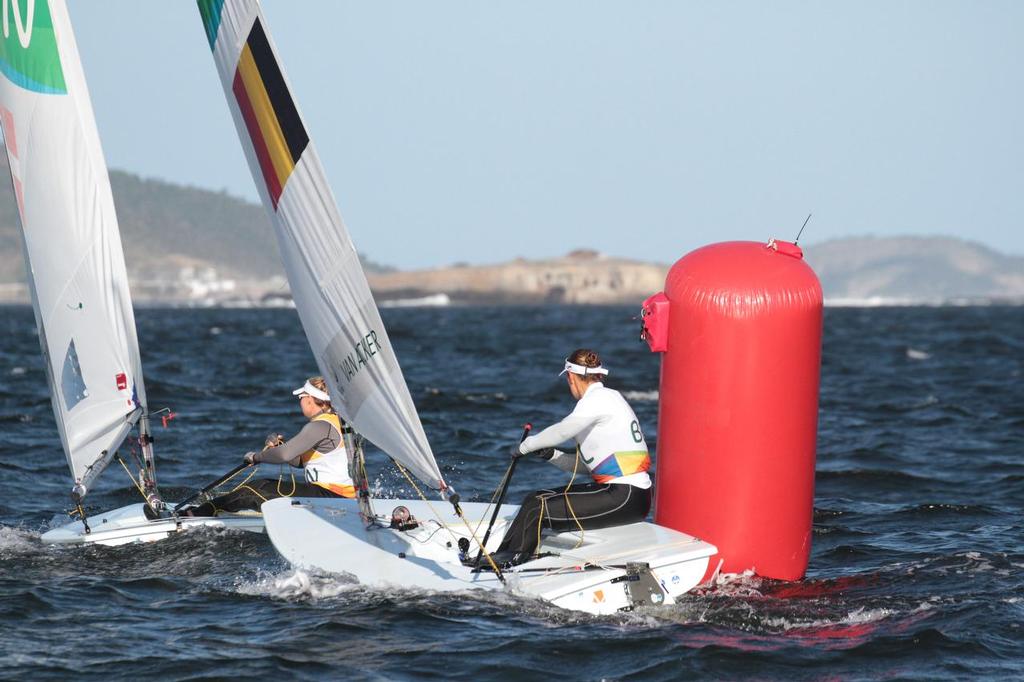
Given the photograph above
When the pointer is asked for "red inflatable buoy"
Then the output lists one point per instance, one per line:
(737, 420)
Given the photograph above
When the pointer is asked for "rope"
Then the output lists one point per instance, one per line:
(565, 493)
(280, 479)
(424, 498)
(137, 486)
(247, 479)
(575, 467)
(209, 495)
(494, 566)
(494, 498)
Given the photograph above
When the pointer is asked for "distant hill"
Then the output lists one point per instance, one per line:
(166, 228)
(858, 271)
(190, 245)
(926, 269)
(583, 276)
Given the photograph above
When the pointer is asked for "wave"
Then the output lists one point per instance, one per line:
(431, 301)
(297, 584)
(918, 302)
(916, 354)
(942, 509)
(883, 477)
(16, 541)
(641, 396)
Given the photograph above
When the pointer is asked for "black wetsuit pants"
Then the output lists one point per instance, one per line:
(590, 505)
(254, 493)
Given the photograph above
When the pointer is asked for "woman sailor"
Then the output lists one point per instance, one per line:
(318, 449)
(610, 450)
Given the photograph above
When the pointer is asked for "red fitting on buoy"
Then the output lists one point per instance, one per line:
(655, 322)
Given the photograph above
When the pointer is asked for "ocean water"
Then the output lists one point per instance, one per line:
(915, 571)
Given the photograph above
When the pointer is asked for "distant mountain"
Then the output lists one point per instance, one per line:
(190, 245)
(859, 271)
(170, 232)
(925, 269)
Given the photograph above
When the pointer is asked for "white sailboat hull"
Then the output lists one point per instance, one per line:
(585, 573)
(129, 524)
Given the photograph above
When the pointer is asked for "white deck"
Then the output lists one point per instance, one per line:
(129, 524)
(329, 535)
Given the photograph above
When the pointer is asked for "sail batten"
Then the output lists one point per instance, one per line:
(333, 299)
(74, 261)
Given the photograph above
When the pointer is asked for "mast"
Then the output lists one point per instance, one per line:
(147, 474)
(357, 470)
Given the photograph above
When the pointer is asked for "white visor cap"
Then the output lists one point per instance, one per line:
(311, 390)
(581, 370)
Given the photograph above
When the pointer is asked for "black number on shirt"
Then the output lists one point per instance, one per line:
(638, 436)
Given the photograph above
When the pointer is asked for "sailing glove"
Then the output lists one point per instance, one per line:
(250, 458)
(543, 453)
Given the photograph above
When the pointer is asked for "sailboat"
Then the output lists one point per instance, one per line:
(414, 545)
(76, 273)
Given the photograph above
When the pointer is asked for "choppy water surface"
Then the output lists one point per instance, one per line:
(915, 572)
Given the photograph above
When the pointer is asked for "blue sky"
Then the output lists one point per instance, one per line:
(480, 132)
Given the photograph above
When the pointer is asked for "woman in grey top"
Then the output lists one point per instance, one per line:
(318, 449)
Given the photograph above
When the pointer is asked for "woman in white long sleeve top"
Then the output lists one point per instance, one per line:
(611, 452)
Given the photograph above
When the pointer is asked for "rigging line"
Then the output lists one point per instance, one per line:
(209, 494)
(136, 483)
(424, 498)
(575, 468)
(429, 537)
(494, 498)
(483, 550)
(280, 480)
(247, 479)
(568, 504)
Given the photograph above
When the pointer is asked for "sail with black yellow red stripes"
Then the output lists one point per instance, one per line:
(332, 296)
(275, 128)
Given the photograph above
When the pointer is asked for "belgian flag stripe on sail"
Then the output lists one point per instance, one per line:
(277, 133)
(262, 154)
(267, 127)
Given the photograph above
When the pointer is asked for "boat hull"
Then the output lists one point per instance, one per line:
(129, 524)
(587, 571)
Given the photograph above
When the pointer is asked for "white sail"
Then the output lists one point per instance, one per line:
(75, 265)
(340, 318)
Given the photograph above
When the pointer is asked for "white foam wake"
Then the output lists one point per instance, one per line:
(641, 396)
(17, 541)
(297, 584)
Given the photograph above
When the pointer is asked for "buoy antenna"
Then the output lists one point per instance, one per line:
(797, 240)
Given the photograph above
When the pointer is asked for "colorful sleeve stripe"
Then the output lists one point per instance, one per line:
(277, 133)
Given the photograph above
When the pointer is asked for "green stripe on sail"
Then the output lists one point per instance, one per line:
(28, 47)
(211, 11)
